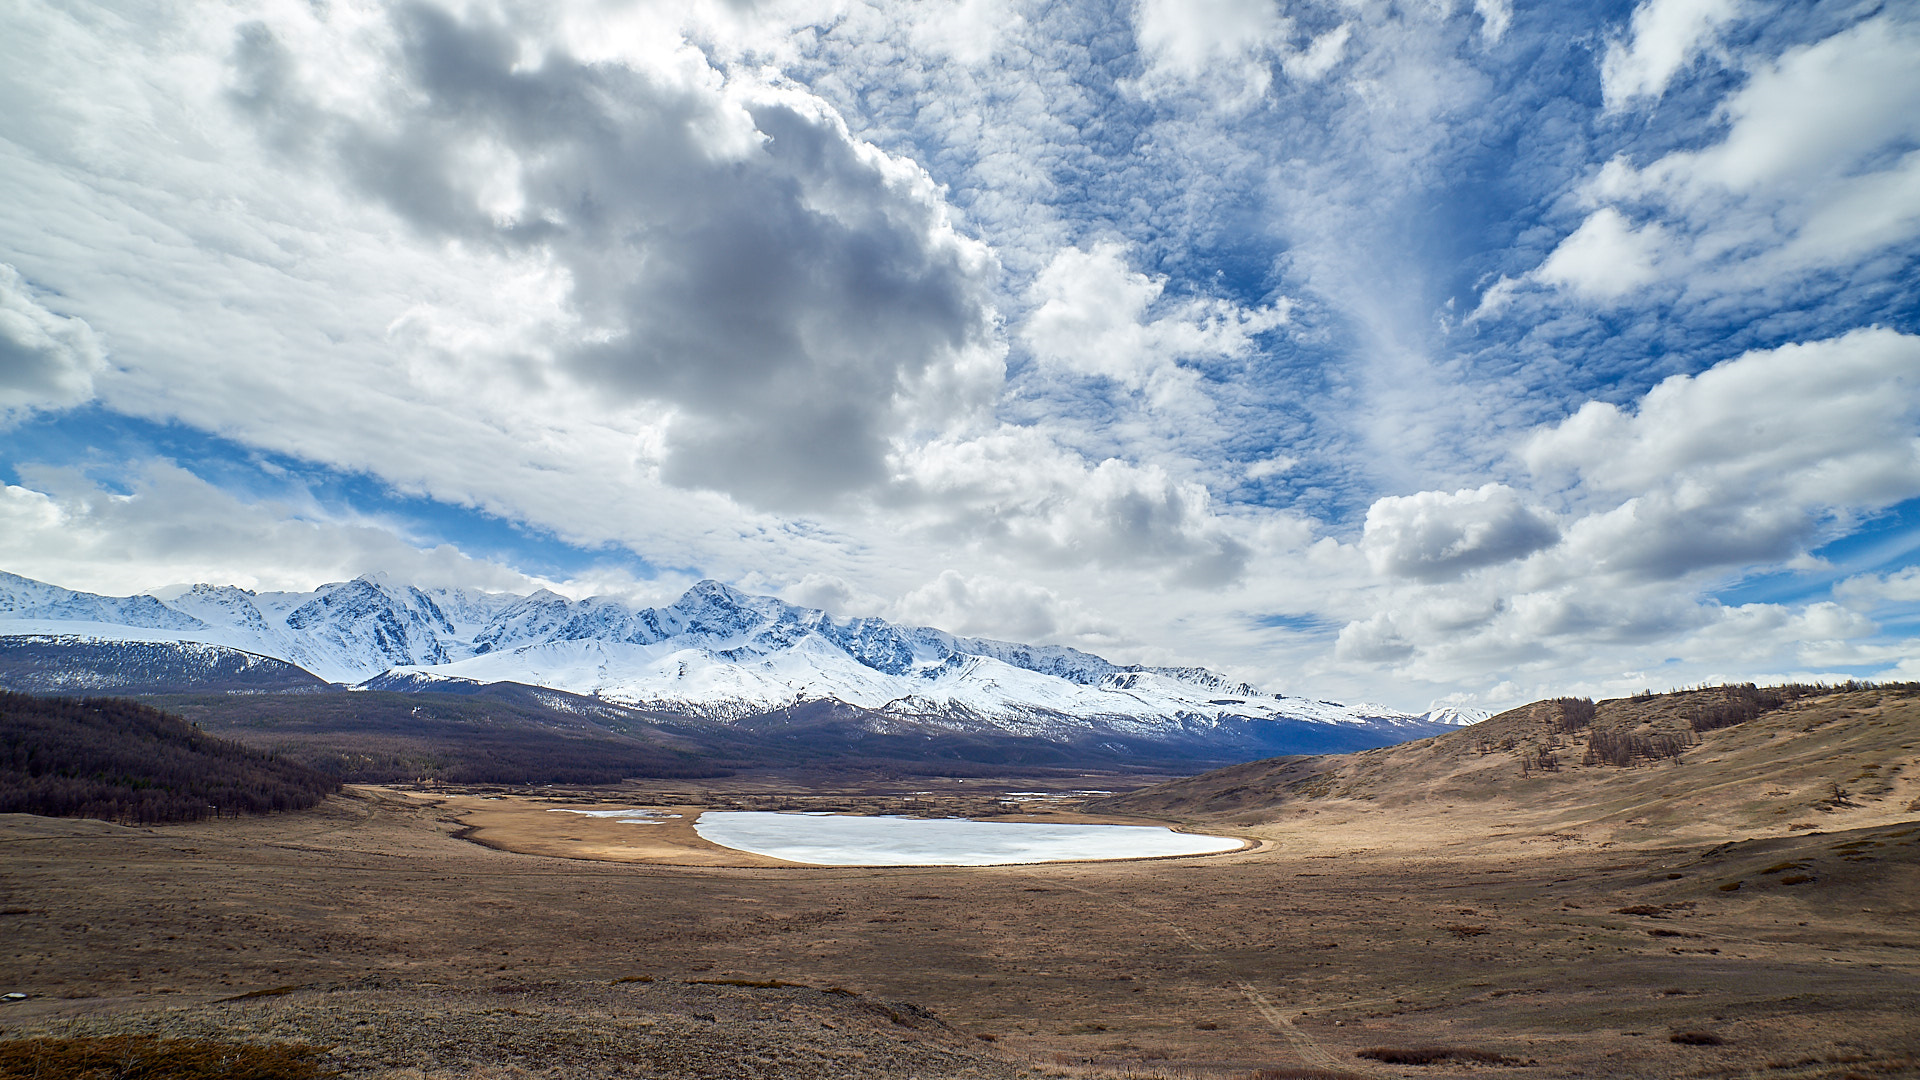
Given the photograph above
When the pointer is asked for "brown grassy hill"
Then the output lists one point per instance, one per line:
(1700, 763)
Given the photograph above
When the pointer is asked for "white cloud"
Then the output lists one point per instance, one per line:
(1605, 258)
(1603, 261)
(968, 31)
(1495, 17)
(1747, 465)
(1321, 55)
(1868, 590)
(1666, 36)
(171, 526)
(1805, 633)
(1373, 640)
(1861, 215)
(1816, 111)
(1435, 536)
(1816, 169)
(47, 361)
(1278, 465)
(983, 605)
(1824, 424)
(832, 593)
(1014, 490)
(473, 248)
(1229, 40)
(1227, 49)
(1093, 315)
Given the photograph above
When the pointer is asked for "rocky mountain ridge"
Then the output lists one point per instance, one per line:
(716, 653)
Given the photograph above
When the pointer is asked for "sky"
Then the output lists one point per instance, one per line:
(1432, 352)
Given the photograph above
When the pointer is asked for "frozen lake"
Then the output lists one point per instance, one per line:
(833, 840)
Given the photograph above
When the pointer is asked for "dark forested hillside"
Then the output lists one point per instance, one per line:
(123, 761)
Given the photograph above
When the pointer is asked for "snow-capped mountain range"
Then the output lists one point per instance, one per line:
(715, 653)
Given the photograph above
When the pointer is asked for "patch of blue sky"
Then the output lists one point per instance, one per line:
(111, 449)
(1311, 625)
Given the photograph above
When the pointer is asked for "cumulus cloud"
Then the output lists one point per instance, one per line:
(1320, 56)
(47, 361)
(1228, 47)
(835, 594)
(789, 297)
(1816, 111)
(1666, 35)
(985, 605)
(1749, 464)
(1278, 465)
(1869, 590)
(1434, 535)
(1603, 261)
(1815, 168)
(1814, 631)
(1373, 640)
(968, 31)
(1187, 41)
(1605, 258)
(1820, 424)
(1094, 315)
(1017, 490)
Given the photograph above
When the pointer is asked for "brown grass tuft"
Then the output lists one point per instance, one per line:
(143, 1057)
(1696, 1038)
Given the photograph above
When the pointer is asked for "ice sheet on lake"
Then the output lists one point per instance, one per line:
(902, 841)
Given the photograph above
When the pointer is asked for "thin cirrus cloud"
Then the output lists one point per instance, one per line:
(1411, 353)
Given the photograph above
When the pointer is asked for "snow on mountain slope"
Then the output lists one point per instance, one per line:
(1456, 715)
(715, 652)
(26, 599)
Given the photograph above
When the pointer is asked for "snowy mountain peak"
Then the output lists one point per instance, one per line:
(1456, 715)
(715, 651)
(709, 590)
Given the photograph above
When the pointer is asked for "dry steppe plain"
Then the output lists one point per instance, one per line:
(1759, 898)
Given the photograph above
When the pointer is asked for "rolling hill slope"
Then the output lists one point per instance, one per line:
(1629, 770)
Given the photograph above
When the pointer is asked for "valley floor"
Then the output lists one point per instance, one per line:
(371, 926)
